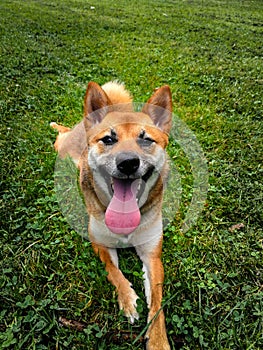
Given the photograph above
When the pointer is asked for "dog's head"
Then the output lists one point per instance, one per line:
(126, 153)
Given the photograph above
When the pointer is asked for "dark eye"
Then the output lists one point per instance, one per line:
(145, 141)
(148, 140)
(108, 140)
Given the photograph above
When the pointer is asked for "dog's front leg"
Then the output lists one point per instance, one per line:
(156, 337)
(126, 295)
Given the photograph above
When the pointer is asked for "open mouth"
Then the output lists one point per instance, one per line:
(123, 214)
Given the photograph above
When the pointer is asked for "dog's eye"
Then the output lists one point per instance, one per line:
(148, 140)
(108, 140)
(145, 141)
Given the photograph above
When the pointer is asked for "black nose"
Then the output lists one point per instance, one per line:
(127, 163)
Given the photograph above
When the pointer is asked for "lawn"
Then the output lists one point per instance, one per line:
(53, 290)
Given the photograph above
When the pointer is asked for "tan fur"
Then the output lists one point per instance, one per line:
(117, 93)
(84, 144)
(72, 142)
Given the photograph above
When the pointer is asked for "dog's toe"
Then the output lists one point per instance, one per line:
(53, 125)
(128, 303)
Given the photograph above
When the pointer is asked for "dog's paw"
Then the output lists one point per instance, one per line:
(156, 337)
(160, 344)
(53, 125)
(128, 304)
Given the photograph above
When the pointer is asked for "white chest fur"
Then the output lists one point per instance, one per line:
(148, 233)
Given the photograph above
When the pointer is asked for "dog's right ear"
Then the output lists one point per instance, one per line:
(96, 105)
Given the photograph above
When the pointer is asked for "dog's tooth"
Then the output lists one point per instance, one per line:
(112, 184)
(139, 185)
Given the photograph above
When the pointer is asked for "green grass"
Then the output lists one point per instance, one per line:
(210, 53)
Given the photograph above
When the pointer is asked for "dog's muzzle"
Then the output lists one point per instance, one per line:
(127, 163)
(128, 183)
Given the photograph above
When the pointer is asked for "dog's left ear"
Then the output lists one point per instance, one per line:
(96, 103)
(159, 108)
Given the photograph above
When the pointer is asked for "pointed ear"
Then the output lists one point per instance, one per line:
(96, 103)
(159, 108)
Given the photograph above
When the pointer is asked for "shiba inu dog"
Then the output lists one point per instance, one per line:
(123, 169)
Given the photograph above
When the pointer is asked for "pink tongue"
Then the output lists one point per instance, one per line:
(123, 215)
